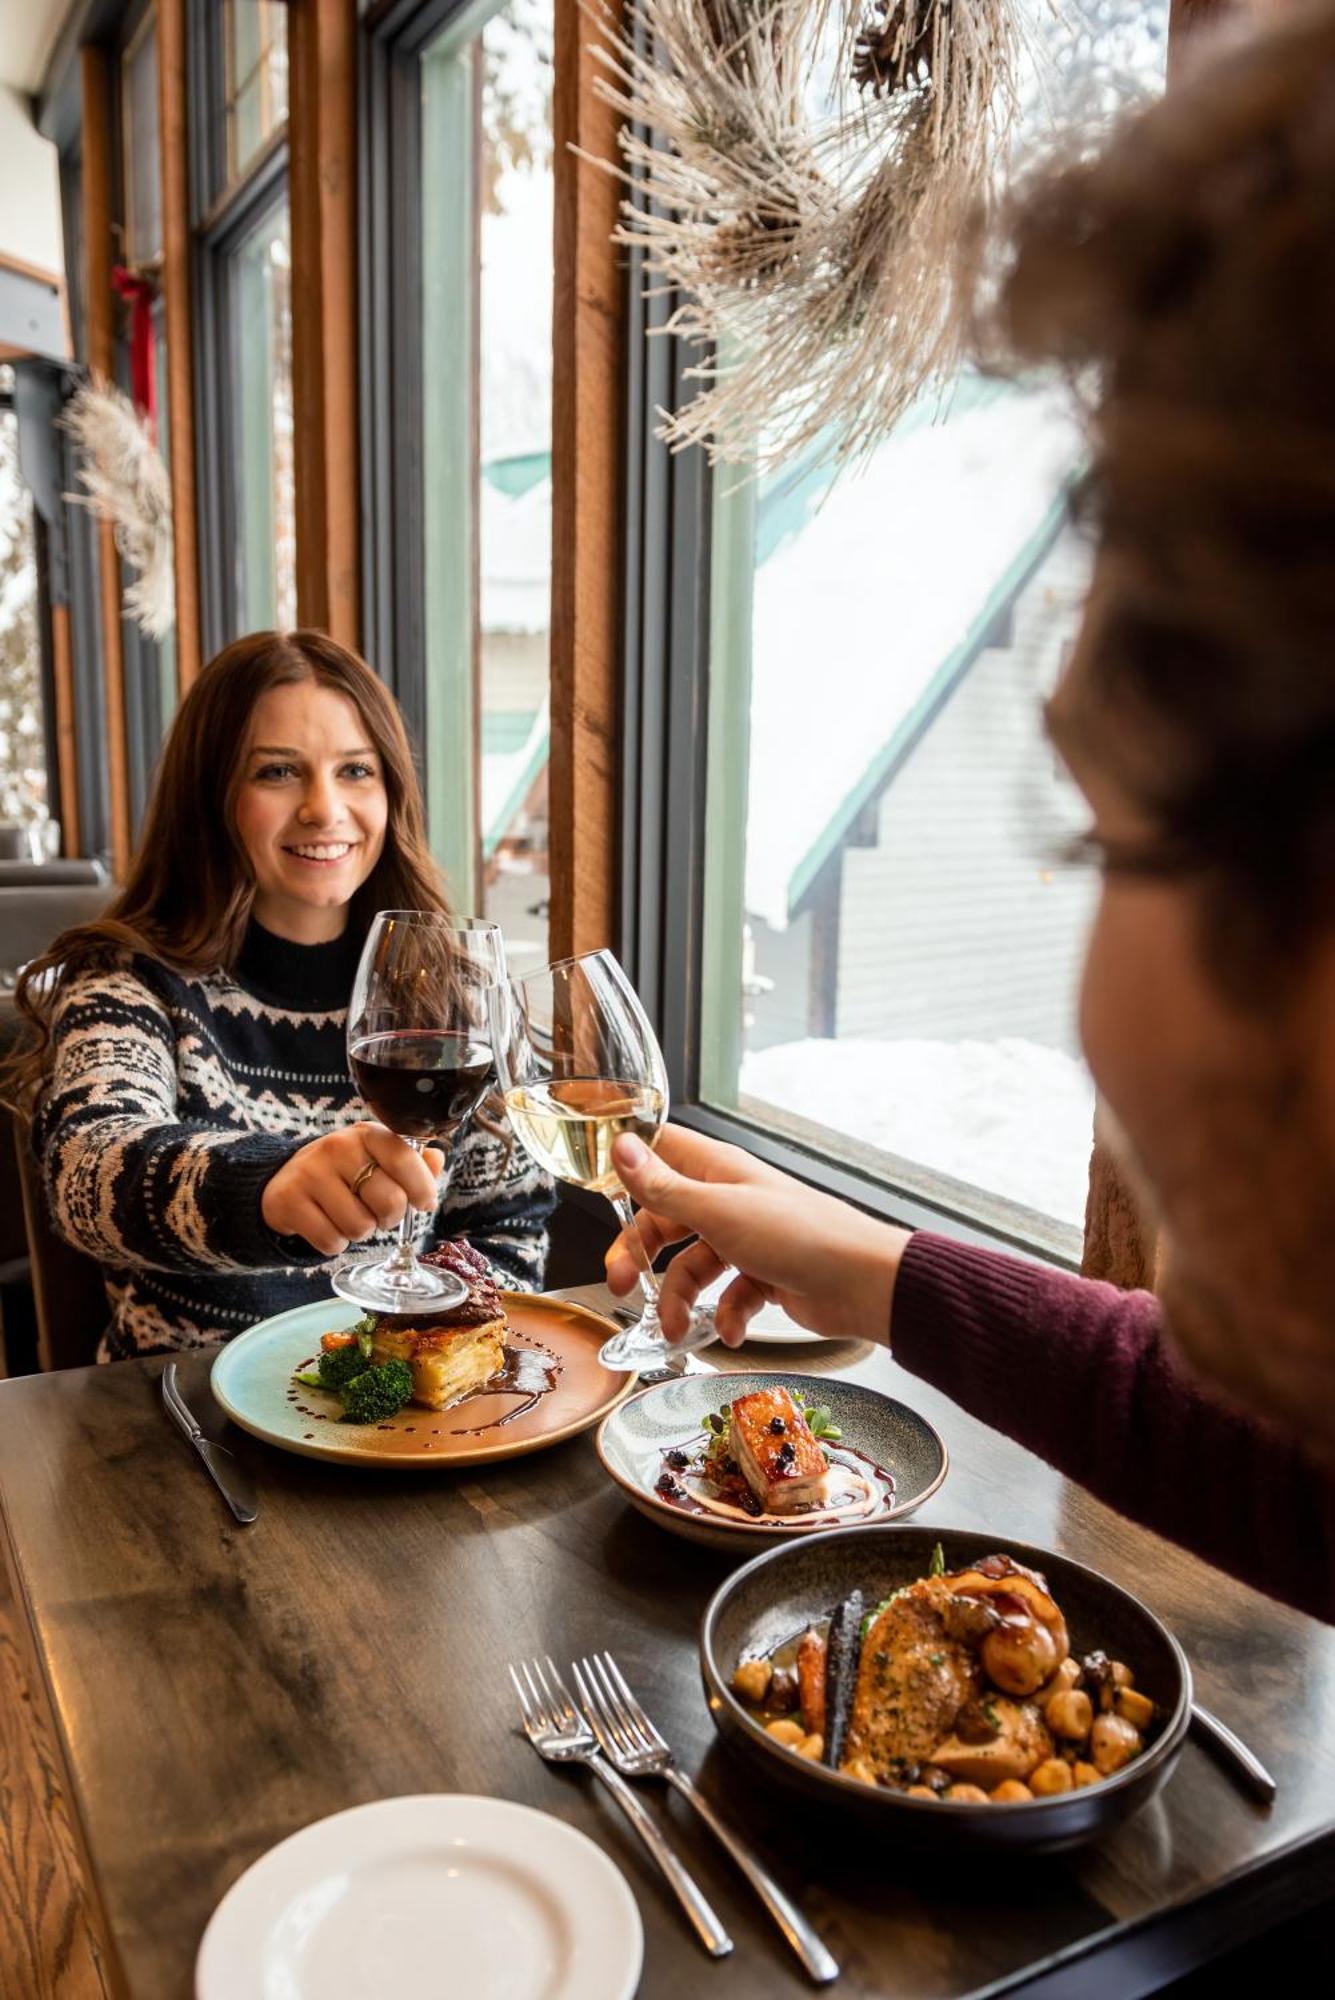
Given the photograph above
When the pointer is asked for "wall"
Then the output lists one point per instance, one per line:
(29, 188)
(952, 923)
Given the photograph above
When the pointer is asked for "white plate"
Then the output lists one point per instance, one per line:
(771, 1326)
(438, 1895)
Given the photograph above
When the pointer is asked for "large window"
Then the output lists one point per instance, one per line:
(889, 951)
(23, 798)
(150, 666)
(243, 376)
(260, 338)
(255, 77)
(458, 403)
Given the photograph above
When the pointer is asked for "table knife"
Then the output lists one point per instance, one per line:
(228, 1475)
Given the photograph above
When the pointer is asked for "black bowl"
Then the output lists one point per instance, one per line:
(779, 1594)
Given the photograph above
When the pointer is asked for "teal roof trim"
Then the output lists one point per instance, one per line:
(517, 474)
(942, 683)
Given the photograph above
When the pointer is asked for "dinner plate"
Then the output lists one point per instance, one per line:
(632, 1442)
(436, 1896)
(771, 1326)
(253, 1382)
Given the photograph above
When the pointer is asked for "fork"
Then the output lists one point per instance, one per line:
(559, 1733)
(631, 1742)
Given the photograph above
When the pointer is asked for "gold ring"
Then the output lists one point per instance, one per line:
(363, 1176)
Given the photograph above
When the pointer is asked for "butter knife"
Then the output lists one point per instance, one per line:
(228, 1475)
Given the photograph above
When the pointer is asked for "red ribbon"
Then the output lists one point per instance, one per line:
(139, 294)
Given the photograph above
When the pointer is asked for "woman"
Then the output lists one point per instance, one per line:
(1193, 266)
(197, 1129)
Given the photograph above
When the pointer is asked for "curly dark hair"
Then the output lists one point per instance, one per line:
(1187, 274)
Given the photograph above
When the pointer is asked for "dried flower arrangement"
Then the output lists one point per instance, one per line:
(803, 171)
(128, 485)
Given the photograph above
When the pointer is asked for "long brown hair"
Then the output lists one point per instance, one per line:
(188, 896)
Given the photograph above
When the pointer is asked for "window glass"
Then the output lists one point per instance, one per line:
(255, 47)
(890, 953)
(487, 291)
(142, 167)
(261, 342)
(22, 740)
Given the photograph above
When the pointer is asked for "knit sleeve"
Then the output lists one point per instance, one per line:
(127, 1180)
(500, 1201)
(1084, 1375)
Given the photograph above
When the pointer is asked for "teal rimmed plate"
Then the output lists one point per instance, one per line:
(253, 1382)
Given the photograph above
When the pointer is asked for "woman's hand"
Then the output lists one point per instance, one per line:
(829, 1266)
(312, 1196)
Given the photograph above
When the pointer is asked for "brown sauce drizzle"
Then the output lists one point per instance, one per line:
(528, 1372)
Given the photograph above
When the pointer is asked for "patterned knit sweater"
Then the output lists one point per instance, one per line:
(171, 1102)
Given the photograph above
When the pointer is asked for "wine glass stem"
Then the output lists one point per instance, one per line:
(649, 1320)
(402, 1256)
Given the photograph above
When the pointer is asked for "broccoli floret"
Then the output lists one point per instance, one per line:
(377, 1392)
(338, 1365)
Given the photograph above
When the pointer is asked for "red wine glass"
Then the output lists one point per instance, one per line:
(420, 1053)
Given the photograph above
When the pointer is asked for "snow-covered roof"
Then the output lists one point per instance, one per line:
(856, 612)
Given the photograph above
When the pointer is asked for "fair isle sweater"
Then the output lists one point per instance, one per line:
(171, 1101)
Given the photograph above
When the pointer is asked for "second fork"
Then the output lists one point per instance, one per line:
(633, 1744)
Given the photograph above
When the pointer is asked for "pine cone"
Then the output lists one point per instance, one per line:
(894, 50)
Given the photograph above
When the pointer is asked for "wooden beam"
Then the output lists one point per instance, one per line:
(67, 762)
(100, 315)
(178, 390)
(322, 140)
(588, 394)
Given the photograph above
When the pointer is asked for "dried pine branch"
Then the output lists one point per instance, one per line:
(128, 485)
(802, 173)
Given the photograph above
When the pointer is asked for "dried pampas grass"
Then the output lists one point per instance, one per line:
(803, 173)
(127, 484)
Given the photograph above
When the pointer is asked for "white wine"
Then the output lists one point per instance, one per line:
(570, 1125)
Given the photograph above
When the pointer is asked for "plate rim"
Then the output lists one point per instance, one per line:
(619, 1889)
(655, 1509)
(396, 1462)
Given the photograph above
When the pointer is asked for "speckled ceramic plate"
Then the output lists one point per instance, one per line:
(903, 1448)
(252, 1381)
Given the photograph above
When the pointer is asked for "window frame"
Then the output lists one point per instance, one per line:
(222, 217)
(394, 395)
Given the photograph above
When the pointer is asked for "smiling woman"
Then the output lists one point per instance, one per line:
(191, 1108)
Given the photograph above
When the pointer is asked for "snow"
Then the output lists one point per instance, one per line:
(854, 614)
(1008, 1116)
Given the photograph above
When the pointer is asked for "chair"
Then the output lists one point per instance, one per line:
(51, 874)
(71, 1299)
(31, 918)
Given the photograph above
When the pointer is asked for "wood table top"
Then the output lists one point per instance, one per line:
(215, 1687)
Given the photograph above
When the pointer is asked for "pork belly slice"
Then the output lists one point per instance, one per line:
(447, 1362)
(779, 1459)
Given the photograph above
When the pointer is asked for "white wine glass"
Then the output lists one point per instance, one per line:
(578, 1064)
(420, 1052)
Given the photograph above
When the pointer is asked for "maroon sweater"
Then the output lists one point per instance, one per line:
(1082, 1374)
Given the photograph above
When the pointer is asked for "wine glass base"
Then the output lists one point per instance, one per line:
(377, 1286)
(641, 1350)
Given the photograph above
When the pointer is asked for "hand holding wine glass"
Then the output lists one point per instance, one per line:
(579, 1065)
(419, 1050)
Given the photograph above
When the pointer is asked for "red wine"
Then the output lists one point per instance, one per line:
(421, 1082)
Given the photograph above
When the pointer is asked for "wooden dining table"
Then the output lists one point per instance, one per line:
(214, 1687)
